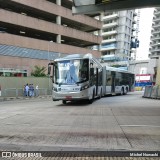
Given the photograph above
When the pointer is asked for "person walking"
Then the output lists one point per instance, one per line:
(24, 90)
(37, 91)
(32, 87)
(27, 90)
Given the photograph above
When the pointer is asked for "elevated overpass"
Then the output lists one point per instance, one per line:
(97, 6)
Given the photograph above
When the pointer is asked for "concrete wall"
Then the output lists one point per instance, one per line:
(27, 42)
(158, 73)
(22, 63)
(19, 82)
(137, 66)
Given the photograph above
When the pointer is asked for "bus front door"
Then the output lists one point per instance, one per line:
(113, 82)
(97, 81)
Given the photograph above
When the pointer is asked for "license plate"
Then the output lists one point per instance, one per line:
(68, 97)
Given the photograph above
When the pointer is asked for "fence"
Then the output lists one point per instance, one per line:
(18, 92)
(152, 92)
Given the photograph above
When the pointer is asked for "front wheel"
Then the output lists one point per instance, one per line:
(64, 101)
(91, 100)
(122, 91)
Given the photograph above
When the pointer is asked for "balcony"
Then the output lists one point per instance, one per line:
(113, 16)
(155, 32)
(134, 21)
(156, 19)
(156, 25)
(157, 12)
(108, 47)
(154, 55)
(154, 50)
(109, 33)
(109, 40)
(133, 28)
(155, 37)
(109, 25)
(155, 44)
(134, 14)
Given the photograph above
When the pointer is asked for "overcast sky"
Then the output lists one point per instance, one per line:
(145, 26)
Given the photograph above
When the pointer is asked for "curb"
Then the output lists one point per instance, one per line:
(2, 99)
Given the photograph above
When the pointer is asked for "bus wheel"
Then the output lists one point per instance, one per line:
(122, 91)
(126, 91)
(64, 101)
(91, 100)
(100, 96)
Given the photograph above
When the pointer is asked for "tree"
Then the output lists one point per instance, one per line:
(38, 71)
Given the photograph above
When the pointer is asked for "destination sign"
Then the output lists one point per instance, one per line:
(106, 1)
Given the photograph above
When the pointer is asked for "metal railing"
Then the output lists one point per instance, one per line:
(19, 92)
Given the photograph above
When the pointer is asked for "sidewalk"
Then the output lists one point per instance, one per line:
(25, 98)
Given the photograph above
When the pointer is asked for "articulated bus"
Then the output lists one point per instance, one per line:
(76, 77)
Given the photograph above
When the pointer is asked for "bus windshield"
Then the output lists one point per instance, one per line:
(71, 71)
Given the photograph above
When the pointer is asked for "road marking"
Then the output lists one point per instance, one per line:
(138, 126)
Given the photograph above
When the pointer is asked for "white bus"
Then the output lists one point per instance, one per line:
(117, 81)
(77, 77)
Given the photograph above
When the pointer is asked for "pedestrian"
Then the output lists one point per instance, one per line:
(24, 90)
(32, 90)
(37, 91)
(27, 90)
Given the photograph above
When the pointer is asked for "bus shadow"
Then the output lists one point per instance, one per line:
(80, 103)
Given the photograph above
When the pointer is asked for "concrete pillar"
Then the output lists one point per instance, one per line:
(58, 21)
(100, 31)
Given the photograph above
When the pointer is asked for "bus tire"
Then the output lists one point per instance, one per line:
(100, 96)
(122, 91)
(64, 101)
(126, 90)
(91, 100)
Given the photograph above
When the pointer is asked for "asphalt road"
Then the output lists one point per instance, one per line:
(127, 122)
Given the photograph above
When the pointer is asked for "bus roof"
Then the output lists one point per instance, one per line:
(117, 69)
(75, 56)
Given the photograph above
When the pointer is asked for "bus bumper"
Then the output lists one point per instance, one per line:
(56, 96)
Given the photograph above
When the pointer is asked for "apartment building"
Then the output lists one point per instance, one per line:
(117, 33)
(33, 32)
(155, 35)
(155, 42)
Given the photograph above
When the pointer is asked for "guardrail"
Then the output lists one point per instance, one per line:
(18, 92)
(152, 92)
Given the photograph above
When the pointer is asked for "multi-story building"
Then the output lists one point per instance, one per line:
(117, 33)
(33, 32)
(155, 42)
(155, 35)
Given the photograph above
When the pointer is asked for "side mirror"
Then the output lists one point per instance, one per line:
(49, 70)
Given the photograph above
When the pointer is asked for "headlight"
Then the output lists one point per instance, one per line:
(54, 89)
(84, 87)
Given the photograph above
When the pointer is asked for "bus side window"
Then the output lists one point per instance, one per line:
(91, 71)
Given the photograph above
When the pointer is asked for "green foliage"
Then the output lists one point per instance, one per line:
(38, 71)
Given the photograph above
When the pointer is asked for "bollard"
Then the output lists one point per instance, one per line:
(16, 93)
(154, 92)
(158, 92)
(0, 91)
(148, 91)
